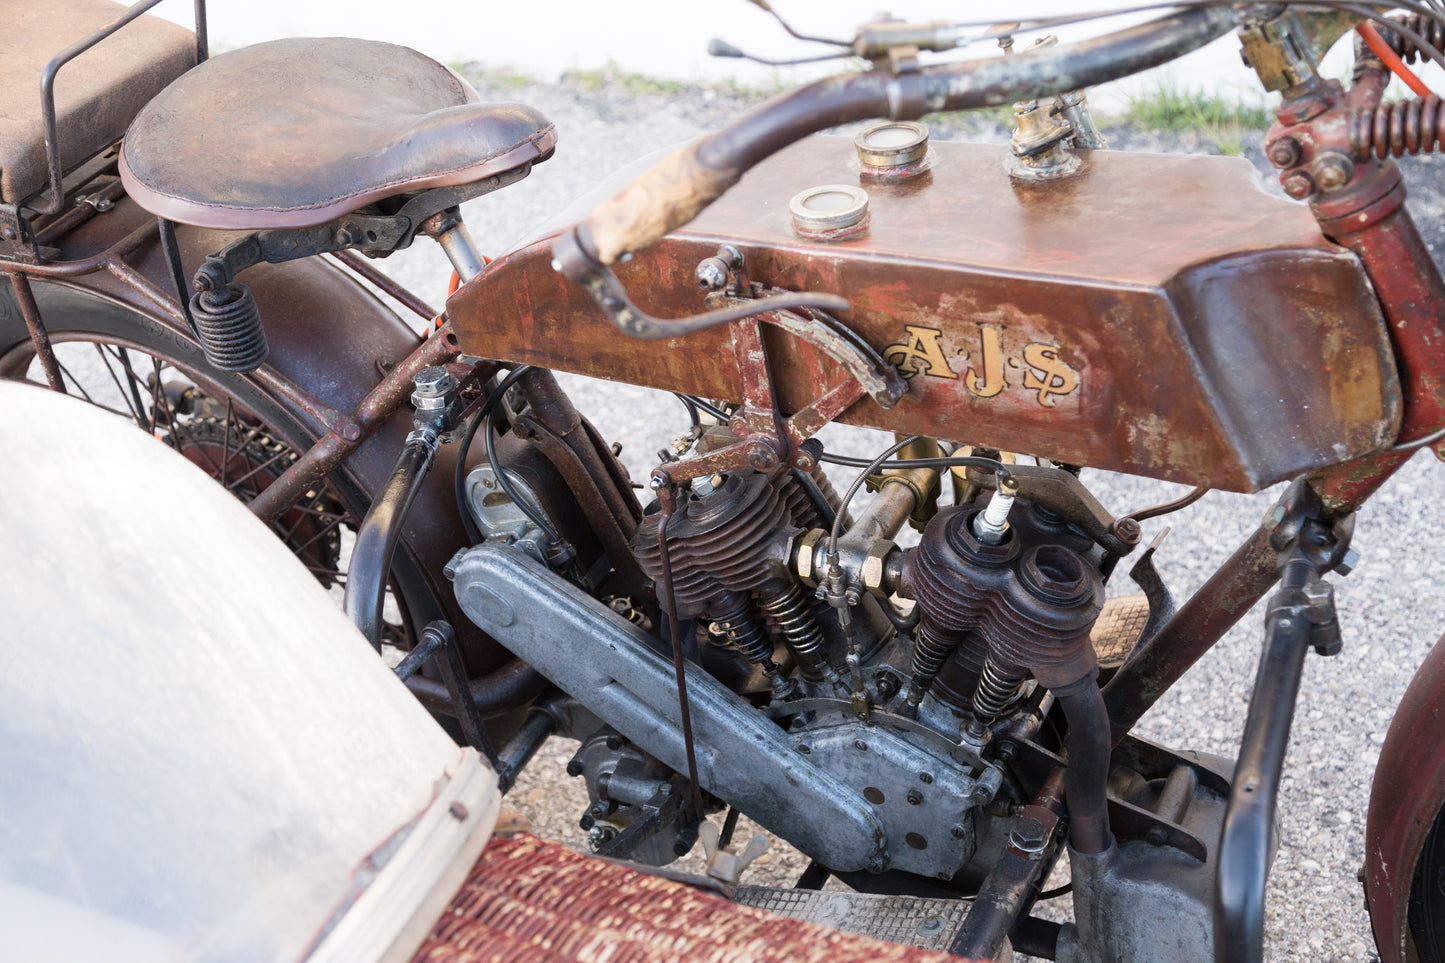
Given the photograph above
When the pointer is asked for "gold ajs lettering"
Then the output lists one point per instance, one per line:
(984, 373)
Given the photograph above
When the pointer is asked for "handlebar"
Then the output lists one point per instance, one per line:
(678, 188)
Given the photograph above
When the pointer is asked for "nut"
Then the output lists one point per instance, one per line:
(1297, 184)
(1028, 835)
(711, 274)
(875, 568)
(1333, 171)
(804, 560)
(1284, 152)
(433, 382)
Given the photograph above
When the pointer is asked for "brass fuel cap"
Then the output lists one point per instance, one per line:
(829, 210)
(892, 147)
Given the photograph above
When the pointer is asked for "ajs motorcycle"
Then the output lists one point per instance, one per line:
(947, 719)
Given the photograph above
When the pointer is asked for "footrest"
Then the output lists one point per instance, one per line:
(911, 921)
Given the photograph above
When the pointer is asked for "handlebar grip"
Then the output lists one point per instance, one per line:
(663, 199)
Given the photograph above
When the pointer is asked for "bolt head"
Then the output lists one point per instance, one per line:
(915, 797)
(1028, 835)
(1284, 152)
(1156, 836)
(1348, 562)
(1128, 530)
(7, 232)
(925, 777)
(1297, 185)
(433, 382)
(958, 831)
(762, 457)
(860, 745)
(1333, 172)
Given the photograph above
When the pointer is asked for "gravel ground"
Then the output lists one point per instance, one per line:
(1391, 609)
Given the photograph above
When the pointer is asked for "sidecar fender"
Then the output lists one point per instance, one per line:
(1407, 795)
(199, 765)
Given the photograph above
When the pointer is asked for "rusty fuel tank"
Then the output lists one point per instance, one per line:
(1159, 315)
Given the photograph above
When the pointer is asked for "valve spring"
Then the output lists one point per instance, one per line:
(744, 632)
(996, 691)
(929, 655)
(228, 324)
(1408, 127)
(1430, 30)
(789, 613)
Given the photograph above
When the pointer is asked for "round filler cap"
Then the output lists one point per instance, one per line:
(829, 207)
(894, 144)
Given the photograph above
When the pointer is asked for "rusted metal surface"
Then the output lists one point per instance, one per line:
(1200, 622)
(386, 285)
(1360, 205)
(1366, 214)
(38, 337)
(1405, 799)
(345, 434)
(1014, 882)
(1035, 316)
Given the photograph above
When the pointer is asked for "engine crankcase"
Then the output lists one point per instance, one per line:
(849, 795)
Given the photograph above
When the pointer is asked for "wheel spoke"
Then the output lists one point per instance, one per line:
(331, 526)
(226, 444)
(131, 378)
(185, 431)
(259, 468)
(120, 389)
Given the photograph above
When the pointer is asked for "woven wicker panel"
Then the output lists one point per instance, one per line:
(530, 900)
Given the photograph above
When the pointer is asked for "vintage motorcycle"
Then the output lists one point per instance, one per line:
(942, 721)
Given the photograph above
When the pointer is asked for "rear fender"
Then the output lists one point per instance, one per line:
(1406, 798)
(333, 339)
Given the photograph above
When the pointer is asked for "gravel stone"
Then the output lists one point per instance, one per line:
(1391, 609)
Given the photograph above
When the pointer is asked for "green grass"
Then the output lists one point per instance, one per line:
(1223, 121)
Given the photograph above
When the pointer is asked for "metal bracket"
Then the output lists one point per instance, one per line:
(372, 234)
(767, 439)
(1062, 493)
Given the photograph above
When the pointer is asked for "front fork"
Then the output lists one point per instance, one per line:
(1301, 615)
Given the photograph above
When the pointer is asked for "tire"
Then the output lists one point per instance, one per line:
(1427, 896)
(223, 422)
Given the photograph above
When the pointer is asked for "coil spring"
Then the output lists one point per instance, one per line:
(744, 632)
(929, 654)
(228, 324)
(793, 618)
(1430, 30)
(1408, 127)
(995, 692)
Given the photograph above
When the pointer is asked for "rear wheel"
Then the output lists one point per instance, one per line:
(222, 422)
(1427, 896)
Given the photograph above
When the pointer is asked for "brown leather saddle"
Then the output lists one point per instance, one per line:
(298, 133)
